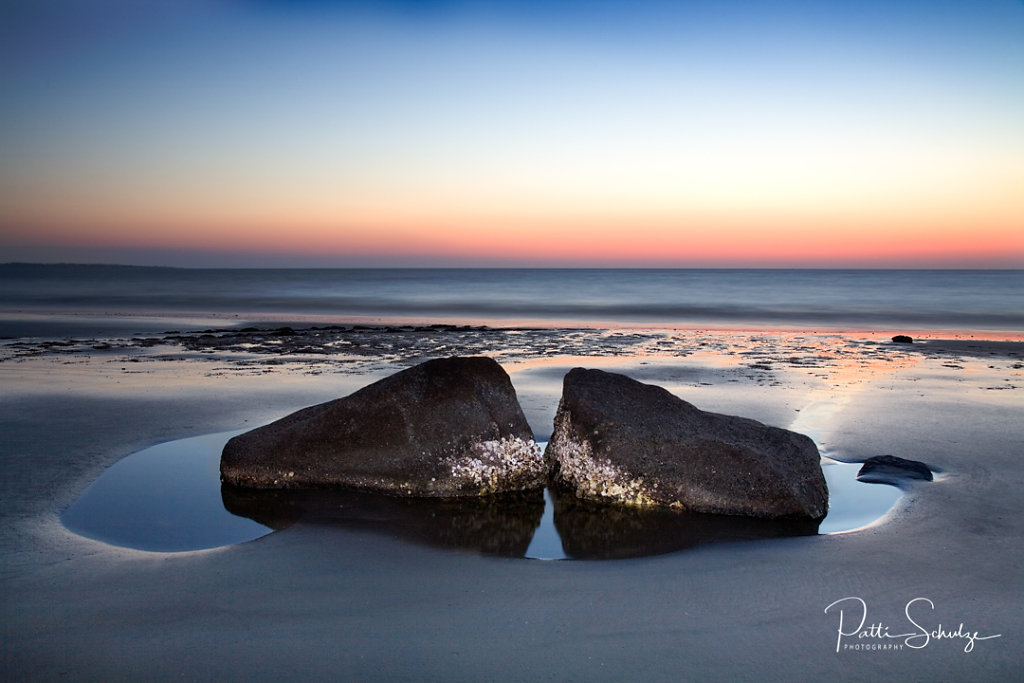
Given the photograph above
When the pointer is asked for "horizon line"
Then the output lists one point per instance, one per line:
(99, 264)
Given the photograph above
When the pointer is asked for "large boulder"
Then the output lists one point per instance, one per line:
(620, 441)
(446, 427)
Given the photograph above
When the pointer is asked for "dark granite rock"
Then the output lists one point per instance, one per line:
(903, 339)
(447, 427)
(618, 440)
(888, 469)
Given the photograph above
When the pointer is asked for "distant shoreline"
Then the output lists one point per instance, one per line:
(101, 265)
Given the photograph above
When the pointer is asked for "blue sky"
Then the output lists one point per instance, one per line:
(655, 132)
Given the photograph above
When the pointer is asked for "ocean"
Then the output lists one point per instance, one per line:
(820, 299)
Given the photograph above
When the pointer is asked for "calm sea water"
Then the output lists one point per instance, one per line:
(911, 299)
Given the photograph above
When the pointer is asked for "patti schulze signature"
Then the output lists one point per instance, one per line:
(916, 640)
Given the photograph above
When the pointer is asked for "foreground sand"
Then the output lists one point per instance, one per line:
(324, 603)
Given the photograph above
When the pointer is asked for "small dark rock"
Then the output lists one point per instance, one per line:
(903, 339)
(888, 469)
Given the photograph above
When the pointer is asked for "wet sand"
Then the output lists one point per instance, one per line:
(322, 602)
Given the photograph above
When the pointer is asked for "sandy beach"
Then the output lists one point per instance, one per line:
(939, 577)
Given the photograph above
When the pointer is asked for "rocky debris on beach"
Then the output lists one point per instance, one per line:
(903, 339)
(889, 469)
(620, 441)
(444, 428)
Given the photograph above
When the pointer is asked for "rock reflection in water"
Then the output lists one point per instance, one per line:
(494, 525)
(595, 531)
(505, 525)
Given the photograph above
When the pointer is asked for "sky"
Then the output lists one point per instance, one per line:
(770, 133)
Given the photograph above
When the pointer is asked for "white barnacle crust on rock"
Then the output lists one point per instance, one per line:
(576, 467)
(506, 464)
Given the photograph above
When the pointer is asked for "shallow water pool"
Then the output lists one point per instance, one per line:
(168, 498)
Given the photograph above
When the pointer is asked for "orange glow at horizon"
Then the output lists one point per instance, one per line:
(695, 238)
(735, 216)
